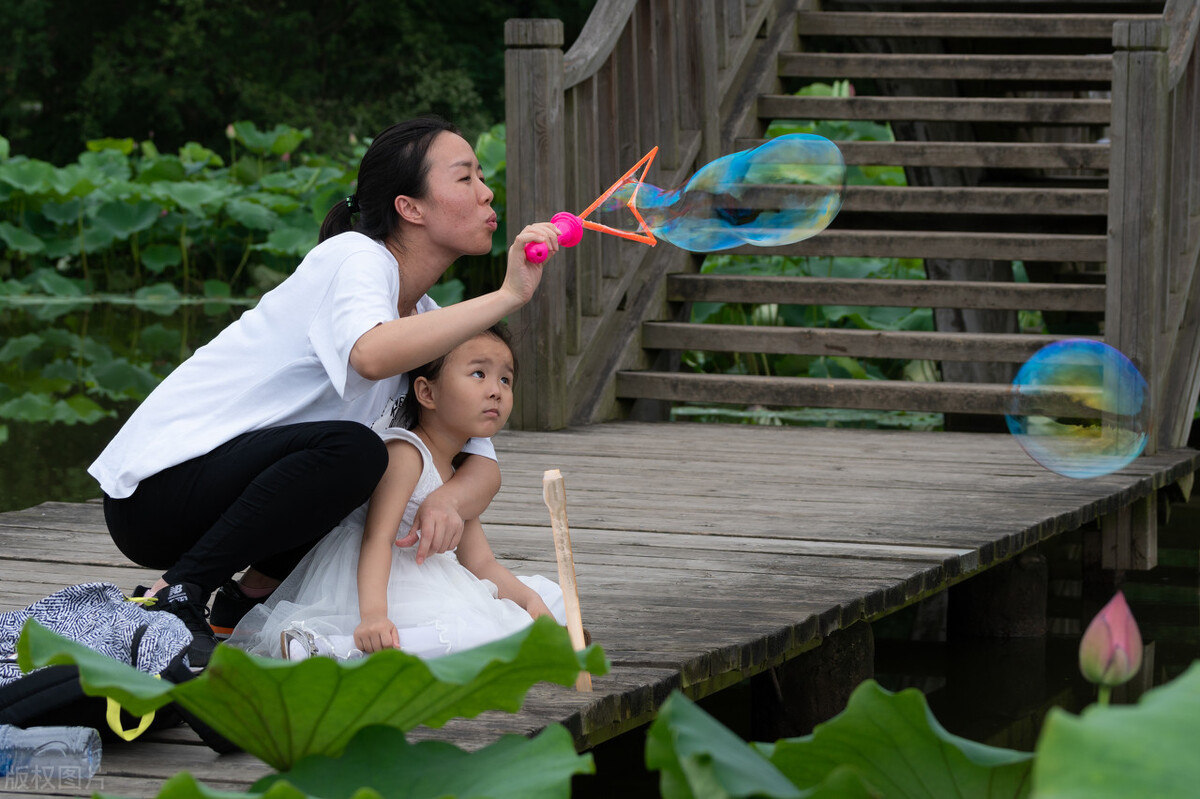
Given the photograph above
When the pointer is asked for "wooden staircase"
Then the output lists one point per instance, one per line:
(1007, 117)
(1007, 158)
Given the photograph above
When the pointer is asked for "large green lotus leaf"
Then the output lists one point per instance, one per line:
(380, 759)
(99, 674)
(1147, 749)
(898, 747)
(20, 239)
(123, 218)
(282, 711)
(699, 757)
(184, 786)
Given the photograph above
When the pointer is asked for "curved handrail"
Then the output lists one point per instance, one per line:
(1182, 19)
(596, 41)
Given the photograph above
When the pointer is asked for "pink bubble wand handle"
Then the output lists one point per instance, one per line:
(570, 229)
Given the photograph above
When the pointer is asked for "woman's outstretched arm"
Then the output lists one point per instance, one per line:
(403, 344)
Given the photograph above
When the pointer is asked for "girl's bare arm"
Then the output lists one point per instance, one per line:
(384, 514)
(476, 555)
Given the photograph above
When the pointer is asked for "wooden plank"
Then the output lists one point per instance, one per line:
(837, 342)
(1019, 110)
(975, 200)
(1087, 68)
(942, 244)
(798, 392)
(993, 155)
(896, 293)
(963, 25)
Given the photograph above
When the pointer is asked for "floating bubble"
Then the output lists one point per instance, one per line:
(1079, 408)
(781, 192)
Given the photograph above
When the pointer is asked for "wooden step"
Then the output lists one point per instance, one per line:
(962, 25)
(992, 155)
(1093, 68)
(975, 200)
(905, 345)
(941, 244)
(1018, 110)
(1076, 297)
(807, 392)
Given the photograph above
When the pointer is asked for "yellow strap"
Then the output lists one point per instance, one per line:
(142, 600)
(113, 716)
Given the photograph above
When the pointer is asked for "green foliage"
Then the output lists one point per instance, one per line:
(882, 744)
(171, 70)
(1148, 749)
(129, 226)
(890, 745)
(282, 711)
(123, 211)
(380, 762)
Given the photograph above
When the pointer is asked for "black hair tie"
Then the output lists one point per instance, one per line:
(352, 203)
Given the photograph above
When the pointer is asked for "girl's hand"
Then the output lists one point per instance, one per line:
(522, 277)
(375, 633)
(439, 524)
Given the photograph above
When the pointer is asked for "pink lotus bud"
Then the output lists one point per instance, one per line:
(1111, 650)
(230, 133)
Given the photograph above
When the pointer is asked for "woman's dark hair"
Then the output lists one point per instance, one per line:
(394, 164)
(410, 412)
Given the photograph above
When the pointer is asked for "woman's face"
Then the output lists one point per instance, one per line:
(457, 205)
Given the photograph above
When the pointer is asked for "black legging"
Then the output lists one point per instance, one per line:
(262, 499)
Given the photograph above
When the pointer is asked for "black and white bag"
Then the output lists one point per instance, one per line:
(98, 616)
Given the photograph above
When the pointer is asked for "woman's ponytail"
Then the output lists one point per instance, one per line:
(393, 165)
(340, 218)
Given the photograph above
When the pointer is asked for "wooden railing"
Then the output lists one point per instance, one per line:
(663, 73)
(1153, 293)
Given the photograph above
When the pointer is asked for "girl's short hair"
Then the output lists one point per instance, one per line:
(394, 164)
(410, 411)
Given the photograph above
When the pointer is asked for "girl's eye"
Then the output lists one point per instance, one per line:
(477, 373)
(506, 380)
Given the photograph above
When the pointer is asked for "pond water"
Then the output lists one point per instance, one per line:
(996, 692)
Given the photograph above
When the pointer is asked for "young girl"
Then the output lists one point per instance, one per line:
(369, 585)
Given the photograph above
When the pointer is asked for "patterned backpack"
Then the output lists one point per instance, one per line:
(98, 616)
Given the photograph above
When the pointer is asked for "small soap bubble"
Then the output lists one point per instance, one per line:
(781, 192)
(1079, 408)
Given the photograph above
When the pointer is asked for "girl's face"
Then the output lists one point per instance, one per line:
(474, 392)
(457, 205)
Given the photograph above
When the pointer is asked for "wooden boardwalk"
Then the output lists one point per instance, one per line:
(705, 554)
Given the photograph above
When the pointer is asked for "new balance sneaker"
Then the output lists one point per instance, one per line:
(189, 603)
(228, 607)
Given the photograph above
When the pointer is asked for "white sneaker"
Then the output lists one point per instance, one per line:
(299, 643)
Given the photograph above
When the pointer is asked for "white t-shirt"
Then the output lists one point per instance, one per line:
(284, 361)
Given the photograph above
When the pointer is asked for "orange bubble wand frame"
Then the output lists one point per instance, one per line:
(571, 226)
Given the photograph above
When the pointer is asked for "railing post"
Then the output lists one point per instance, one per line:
(533, 86)
(1135, 309)
(1134, 313)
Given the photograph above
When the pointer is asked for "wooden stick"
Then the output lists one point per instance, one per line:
(555, 495)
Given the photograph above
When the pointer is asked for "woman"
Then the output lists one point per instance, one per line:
(258, 444)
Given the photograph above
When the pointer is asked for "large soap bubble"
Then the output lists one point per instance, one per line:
(781, 192)
(1079, 408)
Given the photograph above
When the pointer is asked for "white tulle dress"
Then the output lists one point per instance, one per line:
(438, 607)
